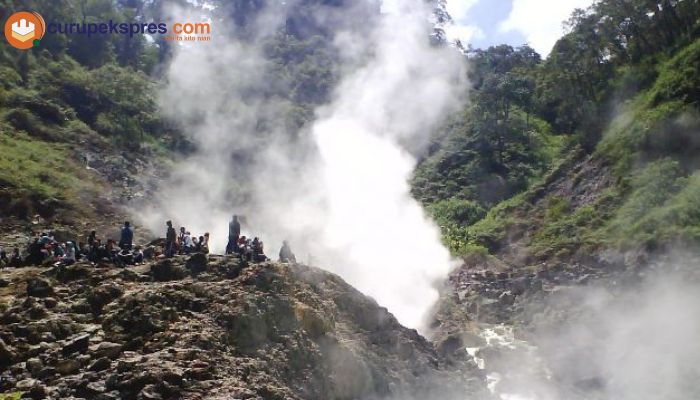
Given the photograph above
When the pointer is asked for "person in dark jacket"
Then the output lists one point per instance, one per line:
(234, 233)
(286, 255)
(92, 239)
(15, 259)
(127, 237)
(170, 239)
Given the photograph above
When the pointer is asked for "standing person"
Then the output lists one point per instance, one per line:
(92, 239)
(170, 238)
(127, 237)
(234, 232)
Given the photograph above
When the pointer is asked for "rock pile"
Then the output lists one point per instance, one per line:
(209, 327)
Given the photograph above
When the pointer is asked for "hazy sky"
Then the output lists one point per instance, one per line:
(489, 22)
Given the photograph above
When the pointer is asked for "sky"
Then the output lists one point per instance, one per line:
(484, 23)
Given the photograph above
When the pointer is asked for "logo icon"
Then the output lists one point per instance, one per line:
(24, 30)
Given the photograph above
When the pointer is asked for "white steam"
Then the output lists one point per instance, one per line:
(340, 194)
(637, 342)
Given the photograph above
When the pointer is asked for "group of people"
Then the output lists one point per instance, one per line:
(184, 242)
(252, 250)
(44, 248)
(247, 248)
(14, 261)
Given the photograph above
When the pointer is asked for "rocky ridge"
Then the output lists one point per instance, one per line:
(211, 327)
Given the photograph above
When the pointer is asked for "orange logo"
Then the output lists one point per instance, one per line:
(25, 29)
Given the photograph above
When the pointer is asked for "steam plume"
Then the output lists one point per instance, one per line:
(340, 194)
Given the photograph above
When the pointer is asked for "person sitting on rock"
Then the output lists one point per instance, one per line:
(187, 243)
(81, 251)
(127, 236)
(69, 257)
(36, 253)
(286, 255)
(92, 239)
(45, 239)
(181, 240)
(59, 250)
(204, 243)
(138, 255)
(93, 250)
(4, 261)
(240, 245)
(170, 238)
(124, 258)
(257, 249)
(15, 259)
(111, 250)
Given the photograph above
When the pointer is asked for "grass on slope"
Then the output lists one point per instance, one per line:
(33, 171)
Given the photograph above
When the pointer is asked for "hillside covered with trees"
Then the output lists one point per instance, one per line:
(593, 147)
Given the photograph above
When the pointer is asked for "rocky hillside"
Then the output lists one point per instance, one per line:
(210, 327)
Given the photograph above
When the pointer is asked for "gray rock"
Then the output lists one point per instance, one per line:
(197, 263)
(78, 344)
(108, 350)
(100, 364)
(97, 387)
(68, 367)
(149, 392)
(26, 384)
(126, 365)
(37, 287)
(166, 271)
(34, 366)
(7, 355)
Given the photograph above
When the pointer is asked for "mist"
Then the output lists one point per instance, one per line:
(338, 189)
(608, 341)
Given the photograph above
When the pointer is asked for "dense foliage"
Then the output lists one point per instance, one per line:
(76, 94)
(621, 90)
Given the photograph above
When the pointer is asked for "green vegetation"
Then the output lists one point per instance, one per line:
(595, 147)
(76, 95)
(11, 396)
(70, 96)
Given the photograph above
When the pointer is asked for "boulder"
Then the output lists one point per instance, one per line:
(108, 349)
(197, 263)
(166, 271)
(149, 392)
(37, 287)
(34, 366)
(100, 364)
(68, 367)
(96, 387)
(7, 355)
(32, 389)
(78, 344)
(102, 296)
(73, 273)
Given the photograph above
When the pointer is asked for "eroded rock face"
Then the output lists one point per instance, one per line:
(211, 327)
